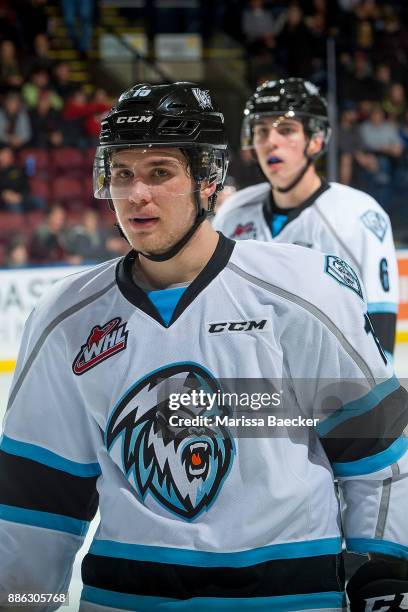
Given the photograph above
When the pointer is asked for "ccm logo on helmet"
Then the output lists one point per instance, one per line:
(135, 119)
(257, 325)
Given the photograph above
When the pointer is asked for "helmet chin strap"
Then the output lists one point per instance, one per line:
(176, 248)
(309, 160)
(296, 180)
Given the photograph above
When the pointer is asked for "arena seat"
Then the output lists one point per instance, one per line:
(35, 161)
(68, 161)
(68, 190)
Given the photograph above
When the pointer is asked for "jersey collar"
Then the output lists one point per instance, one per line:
(270, 208)
(139, 298)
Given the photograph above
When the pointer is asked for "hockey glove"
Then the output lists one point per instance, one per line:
(380, 586)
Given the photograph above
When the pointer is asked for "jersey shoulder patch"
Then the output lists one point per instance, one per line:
(343, 273)
(376, 223)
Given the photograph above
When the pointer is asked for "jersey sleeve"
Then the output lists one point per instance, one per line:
(380, 275)
(48, 468)
(360, 407)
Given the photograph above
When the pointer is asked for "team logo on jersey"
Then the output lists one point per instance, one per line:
(181, 468)
(376, 223)
(343, 273)
(244, 232)
(103, 342)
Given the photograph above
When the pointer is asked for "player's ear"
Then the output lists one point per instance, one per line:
(207, 190)
(315, 144)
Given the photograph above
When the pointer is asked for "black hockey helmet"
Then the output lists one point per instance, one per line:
(290, 98)
(180, 115)
(177, 115)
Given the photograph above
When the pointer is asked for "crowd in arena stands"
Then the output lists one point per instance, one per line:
(49, 124)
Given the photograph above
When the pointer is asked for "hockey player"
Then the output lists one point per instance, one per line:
(196, 514)
(286, 124)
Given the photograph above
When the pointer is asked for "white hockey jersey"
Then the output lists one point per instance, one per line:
(336, 219)
(203, 514)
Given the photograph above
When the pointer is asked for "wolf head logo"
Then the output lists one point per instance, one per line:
(183, 468)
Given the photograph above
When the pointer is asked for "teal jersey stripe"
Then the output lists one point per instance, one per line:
(46, 457)
(46, 520)
(368, 465)
(385, 547)
(284, 603)
(245, 558)
(358, 406)
(382, 307)
(166, 300)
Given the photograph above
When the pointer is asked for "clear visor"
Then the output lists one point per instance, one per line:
(256, 128)
(159, 171)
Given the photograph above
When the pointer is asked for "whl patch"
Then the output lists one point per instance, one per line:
(103, 342)
(343, 273)
(245, 232)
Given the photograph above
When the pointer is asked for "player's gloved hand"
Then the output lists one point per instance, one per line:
(380, 586)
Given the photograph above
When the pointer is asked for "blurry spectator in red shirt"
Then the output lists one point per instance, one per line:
(86, 115)
(15, 128)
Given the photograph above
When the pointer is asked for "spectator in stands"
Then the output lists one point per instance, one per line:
(100, 104)
(11, 76)
(359, 85)
(17, 253)
(381, 138)
(45, 123)
(380, 135)
(14, 186)
(293, 37)
(352, 157)
(9, 25)
(15, 128)
(38, 83)
(61, 81)
(395, 103)
(383, 79)
(48, 241)
(259, 26)
(79, 12)
(86, 242)
(83, 117)
(40, 56)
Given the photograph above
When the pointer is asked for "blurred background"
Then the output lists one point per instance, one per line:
(63, 62)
